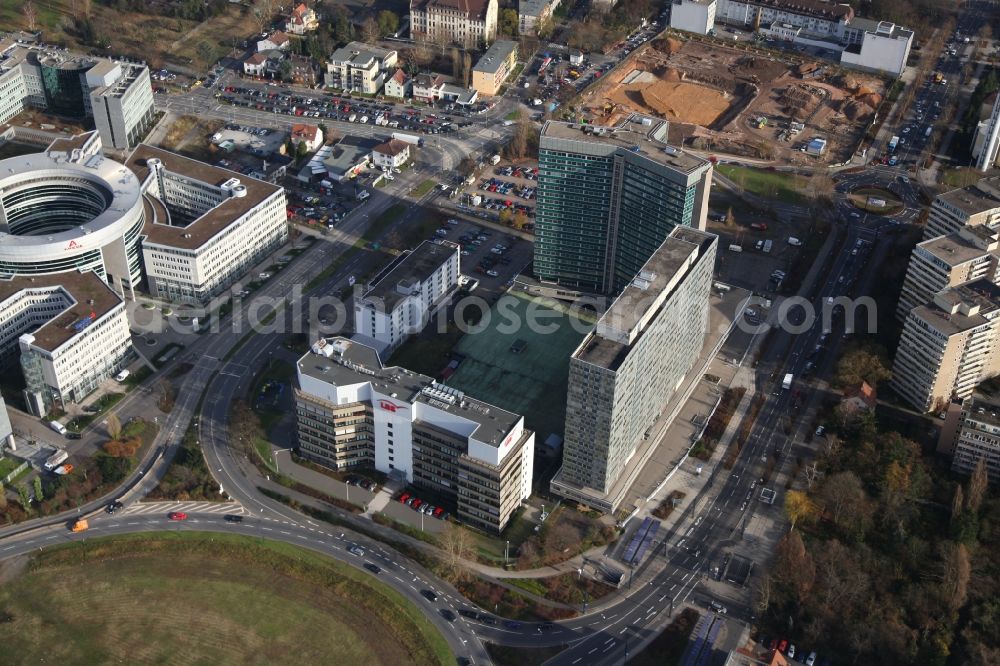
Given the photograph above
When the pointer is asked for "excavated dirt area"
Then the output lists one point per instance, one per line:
(740, 100)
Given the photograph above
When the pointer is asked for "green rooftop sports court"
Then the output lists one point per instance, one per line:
(518, 367)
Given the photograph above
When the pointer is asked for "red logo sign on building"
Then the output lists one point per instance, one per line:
(73, 245)
(390, 406)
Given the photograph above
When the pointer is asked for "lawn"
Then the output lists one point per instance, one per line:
(8, 465)
(380, 224)
(422, 189)
(960, 177)
(768, 184)
(187, 597)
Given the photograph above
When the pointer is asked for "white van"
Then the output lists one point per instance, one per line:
(122, 376)
(58, 427)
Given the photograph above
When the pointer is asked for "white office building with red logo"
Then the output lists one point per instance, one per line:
(353, 413)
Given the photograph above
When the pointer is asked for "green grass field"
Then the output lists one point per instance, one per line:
(532, 382)
(770, 184)
(195, 598)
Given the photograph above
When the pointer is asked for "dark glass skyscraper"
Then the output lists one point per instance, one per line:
(607, 198)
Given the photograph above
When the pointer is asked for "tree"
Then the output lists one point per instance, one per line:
(456, 63)
(505, 216)
(114, 426)
(301, 151)
(22, 493)
(39, 496)
(507, 22)
(862, 365)
(30, 13)
(520, 219)
(978, 484)
(388, 22)
(842, 495)
(793, 566)
(730, 218)
(3, 496)
(466, 69)
(369, 31)
(956, 571)
(456, 544)
(262, 13)
(957, 504)
(799, 507)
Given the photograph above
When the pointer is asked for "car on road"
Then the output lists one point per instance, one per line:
(355, 549)
(177, 515)
(488, 619)
(114, 506)
(512, 624)
(820, 430)
(374, 568)
(717, 607)
(448, 615)
(233, 518)
(492, 273)
(430, 595)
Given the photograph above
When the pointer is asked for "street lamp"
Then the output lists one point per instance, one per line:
(506, 553)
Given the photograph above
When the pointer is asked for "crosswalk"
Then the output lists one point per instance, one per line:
(146, 508)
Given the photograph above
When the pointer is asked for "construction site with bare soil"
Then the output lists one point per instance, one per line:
(740, 101)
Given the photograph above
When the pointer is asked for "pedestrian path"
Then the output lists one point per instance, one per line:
(146, 508)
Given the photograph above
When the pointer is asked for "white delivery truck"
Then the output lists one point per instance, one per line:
(56, 459)
(793, 241)
(735, 248)
(787, 382)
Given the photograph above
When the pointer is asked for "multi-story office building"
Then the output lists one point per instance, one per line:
(625, 371)
(884, 47)
(494, 67)
(352, 412)
(608, 197)
(971, 432)
(205, 225)
(965, 207)
(117, 95)
(948, 261)
(360, 68)
(469, 23)
(949, 345)
(72, 333)
(399, 301)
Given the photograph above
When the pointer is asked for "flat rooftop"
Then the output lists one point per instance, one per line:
(495, 56)
(90, 293)
(957, 248)
(348, 153)
(413, 268)
(648, 141)
(978, 198)
(214, 221)
(358, 363)
(984, 410)
(632, 310)
(945, 314)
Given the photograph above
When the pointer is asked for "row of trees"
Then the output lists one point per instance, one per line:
(888, 558)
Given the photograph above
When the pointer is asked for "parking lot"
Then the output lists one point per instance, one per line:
(491, 257)
(347, 108)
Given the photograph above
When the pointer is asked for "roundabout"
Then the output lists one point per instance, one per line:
(877, 200)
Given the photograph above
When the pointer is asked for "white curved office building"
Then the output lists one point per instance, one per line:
(69, 209)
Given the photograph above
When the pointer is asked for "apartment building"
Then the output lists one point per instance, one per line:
(977, 204)
(354, 412)
(971, 432)
(697, 16)
(71, 331)
(471, 24)
(818, 18)
(626, 370)
(491, 71)
(205, 225)
(948, 346)
(116, 94)
(402, 297)
(360, 68)
(607, 199)
(533, 15)
(947, 261)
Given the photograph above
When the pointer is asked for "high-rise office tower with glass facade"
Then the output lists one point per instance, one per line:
(607, 199)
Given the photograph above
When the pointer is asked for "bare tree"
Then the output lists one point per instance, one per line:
(957, 504)
(466, 69)
(978, 483)
(262, 14)
(456, 544)
(370, 32)
(114, 426)
(30, 16)
(955, 576)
